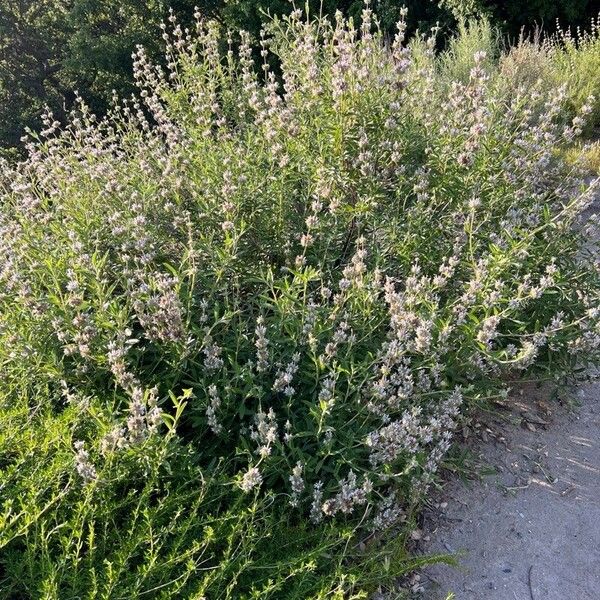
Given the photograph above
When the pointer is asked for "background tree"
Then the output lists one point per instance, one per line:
(33, 37)
(514, 15)
(50, 48)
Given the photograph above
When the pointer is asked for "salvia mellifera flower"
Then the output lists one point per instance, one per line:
(83, 464)
(252, 479)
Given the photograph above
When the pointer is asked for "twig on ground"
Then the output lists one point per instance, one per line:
(516, 487)
(529, 583)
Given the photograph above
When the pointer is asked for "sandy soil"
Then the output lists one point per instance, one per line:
(531, 531)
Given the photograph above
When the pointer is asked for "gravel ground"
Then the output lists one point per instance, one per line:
(531, 531)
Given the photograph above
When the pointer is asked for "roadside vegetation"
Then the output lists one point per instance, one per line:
(242, 314)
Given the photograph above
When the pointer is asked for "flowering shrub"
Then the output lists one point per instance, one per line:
(277, 290)
(566, 58)
(576, 59)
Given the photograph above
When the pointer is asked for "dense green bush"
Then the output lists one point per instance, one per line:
(242, 306)
(576, 62)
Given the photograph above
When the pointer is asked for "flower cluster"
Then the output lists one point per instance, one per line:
(83, 465)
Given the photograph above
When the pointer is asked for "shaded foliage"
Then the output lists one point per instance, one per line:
(50, 48)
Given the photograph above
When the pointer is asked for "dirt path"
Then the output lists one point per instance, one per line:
(531, 531)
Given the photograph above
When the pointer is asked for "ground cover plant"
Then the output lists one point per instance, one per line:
(242, 315)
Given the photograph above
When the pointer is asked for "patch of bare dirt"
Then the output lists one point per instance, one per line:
(531, 530)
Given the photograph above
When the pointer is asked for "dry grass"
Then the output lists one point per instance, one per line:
(586, 152)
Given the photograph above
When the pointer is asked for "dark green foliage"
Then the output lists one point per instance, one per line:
(51, 48)
(514, 15)
(32, 39)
